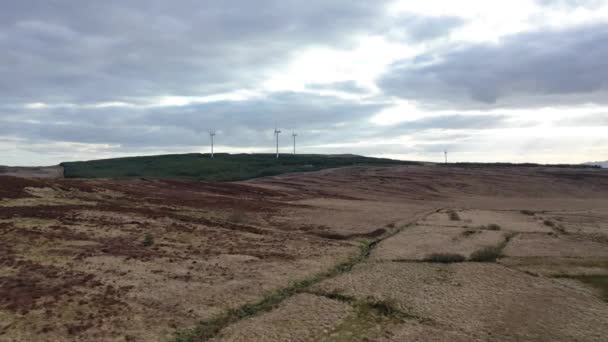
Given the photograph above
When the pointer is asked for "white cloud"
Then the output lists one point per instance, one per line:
(363, 63)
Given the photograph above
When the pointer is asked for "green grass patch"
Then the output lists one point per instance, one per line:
(148, 240)
(224, 167)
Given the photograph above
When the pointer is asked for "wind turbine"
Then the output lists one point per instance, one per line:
(294, 135)
(445, 153)
(276, 133)
(211, 135)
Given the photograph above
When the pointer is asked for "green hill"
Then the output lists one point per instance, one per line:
(224, 167)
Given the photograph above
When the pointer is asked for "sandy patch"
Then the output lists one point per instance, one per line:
(416, 243)
(351, 217)
(584, 222)
(558, 266)
(514, 221)
(415, 332)
(546, 245)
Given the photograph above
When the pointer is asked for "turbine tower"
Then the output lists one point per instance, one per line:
(445, 153)
(294, 135)
(211, 135)
(276, 133)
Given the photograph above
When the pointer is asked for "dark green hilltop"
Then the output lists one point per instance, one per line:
(223, 167)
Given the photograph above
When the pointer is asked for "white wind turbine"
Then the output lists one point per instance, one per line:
(212, 134)
(276, 134)
(294, 135)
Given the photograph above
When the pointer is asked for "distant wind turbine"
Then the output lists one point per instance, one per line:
(445, 153)
(294, 135)
(212, 135)
(276, 133)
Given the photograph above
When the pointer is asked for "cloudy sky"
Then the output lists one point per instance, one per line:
(518, 80)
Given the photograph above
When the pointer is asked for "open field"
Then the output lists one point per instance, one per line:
(374, 253)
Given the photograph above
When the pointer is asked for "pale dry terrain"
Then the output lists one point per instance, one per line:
(351, 254)
(38, 172)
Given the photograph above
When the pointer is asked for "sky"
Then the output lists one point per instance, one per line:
(488, 81)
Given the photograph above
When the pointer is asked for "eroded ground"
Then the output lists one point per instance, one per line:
(452, 254)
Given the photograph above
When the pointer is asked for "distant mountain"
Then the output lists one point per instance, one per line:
(602, 164)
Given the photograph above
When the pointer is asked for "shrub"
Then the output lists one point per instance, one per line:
(493, 226)
(237, 217)
(486, 254)
(469, 232)
(527, 212)
(445, 258)
(560, 229)
(549, 223)
(384, 308)
(454, 216)
(148, 240)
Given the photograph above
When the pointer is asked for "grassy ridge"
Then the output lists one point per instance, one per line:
(224, 167)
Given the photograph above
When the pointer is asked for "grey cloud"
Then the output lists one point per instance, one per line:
(115, 50)
(56, 51)
(417, 29)
(456, 121)
(318, 119)
(527, 69)
(242, 123)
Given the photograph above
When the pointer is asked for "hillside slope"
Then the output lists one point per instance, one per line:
(224, 167)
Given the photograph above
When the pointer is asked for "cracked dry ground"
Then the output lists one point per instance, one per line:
(74, 266)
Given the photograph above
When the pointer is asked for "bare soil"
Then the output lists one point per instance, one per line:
(74, 266)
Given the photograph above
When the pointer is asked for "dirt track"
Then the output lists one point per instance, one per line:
(73, 265)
